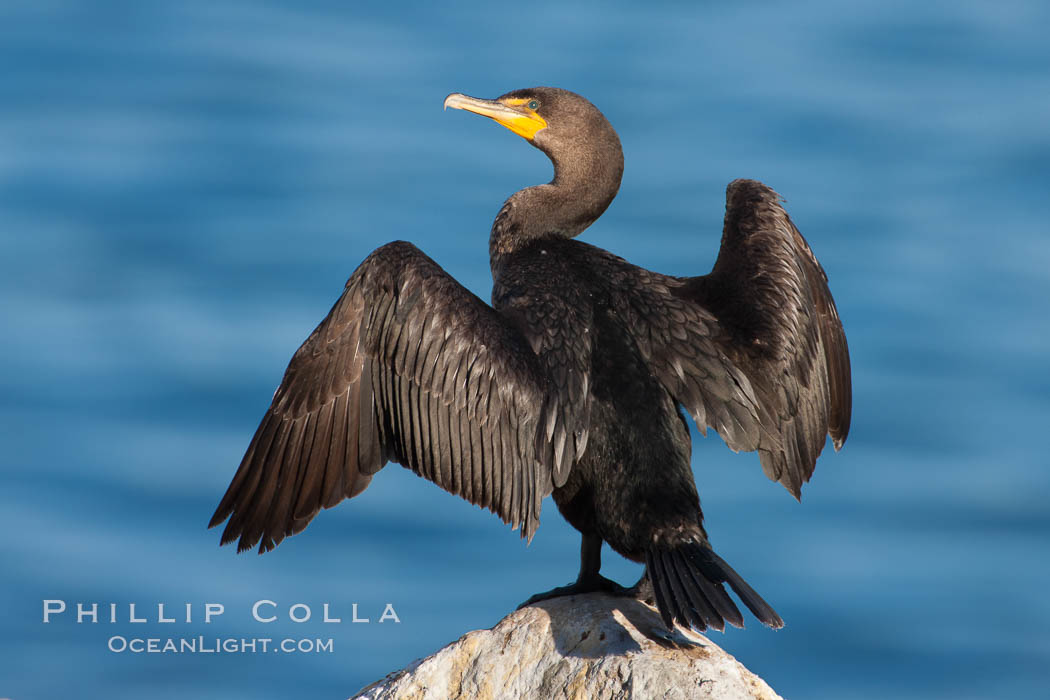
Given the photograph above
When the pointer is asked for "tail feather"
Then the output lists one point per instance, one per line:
(712, 589)
(758, 606)
(688, 586)
(700, 603)
(661, 589)
(694, 601)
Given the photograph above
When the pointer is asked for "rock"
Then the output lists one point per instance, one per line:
(582, 647)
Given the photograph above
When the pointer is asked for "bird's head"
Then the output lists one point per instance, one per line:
(560, 123)
(585, 150)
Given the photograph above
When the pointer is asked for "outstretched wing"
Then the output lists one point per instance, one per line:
(755, 349)
(408, 366)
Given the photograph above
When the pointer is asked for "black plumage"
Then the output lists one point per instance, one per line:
(570, 383)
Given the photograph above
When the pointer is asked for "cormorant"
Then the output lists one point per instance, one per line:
(570, 383)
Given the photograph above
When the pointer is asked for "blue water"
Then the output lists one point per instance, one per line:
(184, 188)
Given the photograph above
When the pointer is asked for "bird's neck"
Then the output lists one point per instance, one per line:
(582, 188)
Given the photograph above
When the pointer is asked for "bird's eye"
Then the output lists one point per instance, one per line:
(533, 105)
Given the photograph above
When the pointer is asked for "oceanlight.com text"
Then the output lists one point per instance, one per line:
(218, 645)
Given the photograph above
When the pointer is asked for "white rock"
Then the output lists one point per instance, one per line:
(579, 647)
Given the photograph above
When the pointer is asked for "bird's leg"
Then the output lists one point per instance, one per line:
(589, 579)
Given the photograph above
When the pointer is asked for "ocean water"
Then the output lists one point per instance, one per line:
(185, 187)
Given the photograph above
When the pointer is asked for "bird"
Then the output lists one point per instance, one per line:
(571, 383)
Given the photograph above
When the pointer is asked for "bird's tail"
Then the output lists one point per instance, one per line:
(687, 584)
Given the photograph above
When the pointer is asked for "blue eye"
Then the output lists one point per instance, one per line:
(533, 105)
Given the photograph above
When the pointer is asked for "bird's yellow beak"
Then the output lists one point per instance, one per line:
(511, 113)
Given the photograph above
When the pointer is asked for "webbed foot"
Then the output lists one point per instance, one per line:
(588, 584)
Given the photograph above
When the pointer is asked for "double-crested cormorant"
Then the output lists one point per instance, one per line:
(570, 383)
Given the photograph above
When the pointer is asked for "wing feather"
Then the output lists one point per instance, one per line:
(755, 349)
(408, 366)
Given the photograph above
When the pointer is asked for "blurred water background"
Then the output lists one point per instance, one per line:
(185, 187)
